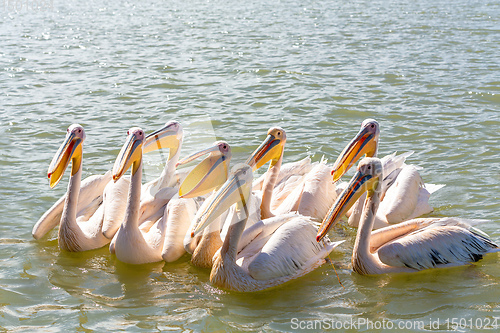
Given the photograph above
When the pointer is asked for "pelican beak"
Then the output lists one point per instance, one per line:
(364, 143)
(235, 190)
(359, 183)
(270, 150)
(169, 136)
(130, 154)
(70, 149)
(209, 174)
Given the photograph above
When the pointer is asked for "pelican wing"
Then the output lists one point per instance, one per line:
(292, 201)
(115, 204)
(86, 212)
(314, 196)
(422, 206)
(392, 162)
(392, 165)
(319, 192)
(291, 250)
(282, 190)
(401, 198)
(92, 230)
(444, 242)
(179, 214)
(298, 168)
(150, 205)
(259, 233)
(91, 188)
(155, 236)
(385, 235)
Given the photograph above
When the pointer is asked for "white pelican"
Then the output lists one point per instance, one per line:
(406, 247)
(312, 195)
(208, 175)
(404, 194)
(155, 194)
(97, 190)
(89, 199)
(82, 234)
(273, 257)
(153, 197)
(131, 244)
(179, 213)
(289, 177)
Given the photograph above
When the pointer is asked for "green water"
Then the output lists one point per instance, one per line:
(428, 71)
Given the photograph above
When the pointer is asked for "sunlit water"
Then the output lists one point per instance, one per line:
(428, 71)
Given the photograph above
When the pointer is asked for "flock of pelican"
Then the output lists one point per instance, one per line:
(255, 233)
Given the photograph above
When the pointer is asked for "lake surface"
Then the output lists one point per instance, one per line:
(428, 71)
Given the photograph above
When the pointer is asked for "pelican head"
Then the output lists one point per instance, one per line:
(70, 150)
(367, 178)
(130, 154)
(169, 136)
(364, 143)
(270, 150)
(209, 174)
(235, 190)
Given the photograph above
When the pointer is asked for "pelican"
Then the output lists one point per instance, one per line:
(89, 199)
(208, 175)
(155, 194)
(131, 244)
(273, 256)
(289, 177)
(404, 194)
(97, 190)
(312, 195)
(410, 246)
(82, 234)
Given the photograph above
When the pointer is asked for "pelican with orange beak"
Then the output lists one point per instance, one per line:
(132, 244)
(409, 246)
(154, 195)
(97, 190)
(276, 250)
(310, 195)
(74, 234)
(404, 194)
